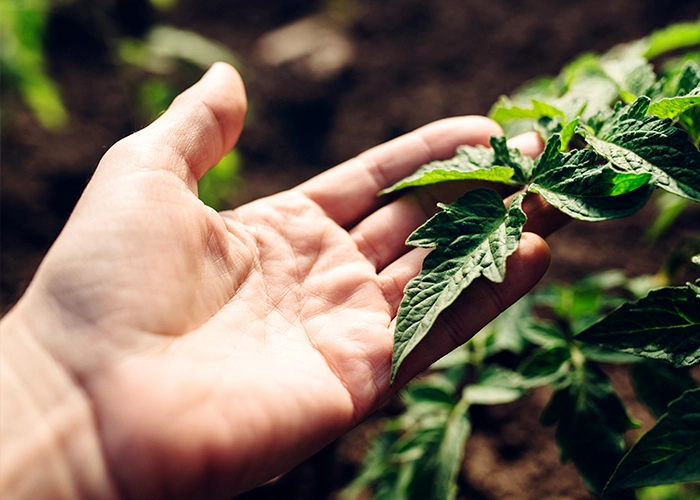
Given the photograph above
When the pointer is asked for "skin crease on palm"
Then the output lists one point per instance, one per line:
(167, 350)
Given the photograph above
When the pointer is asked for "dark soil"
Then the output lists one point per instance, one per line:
(415, 61)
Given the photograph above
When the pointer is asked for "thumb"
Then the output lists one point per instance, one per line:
(201, 125)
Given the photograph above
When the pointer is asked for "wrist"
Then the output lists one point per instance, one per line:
(49, 440)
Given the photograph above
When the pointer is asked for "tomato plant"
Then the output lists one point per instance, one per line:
(616, 127)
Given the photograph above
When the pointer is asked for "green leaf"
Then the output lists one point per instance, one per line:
(546, 127)
(375, 467)
(673, 37)
(601, 355)
(497, 386)
(657, 384)
(423, 458)
(437, 387)
(419, 419)
(470, 163)
(221, 182)
(411, 454)
(690, 122)
(546, 366)
(581, 303)
(672, 107)
(631, 72)
(450, 454)
(663, 325)
(643, 144)
(567, 133)
(667, 453)
(688, 79)
(544, 334)
(429, 393)
(669, 492)
(541, 89)
(511, 157)
(669, 207)
(689, 84)
(580, 188)
(584, 66)
(473, 237)
(596, 92)
(591, 422)
(24, 62)
(164, 44)
(588, 88)
(505, 111)
(498, 164)
(453, 359)
(505, 332)
(492, 395)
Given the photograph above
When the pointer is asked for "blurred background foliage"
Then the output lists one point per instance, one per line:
(23, 61)
(154, 63)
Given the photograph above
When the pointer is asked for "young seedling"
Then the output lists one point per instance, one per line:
(616, 128)
(626, 151)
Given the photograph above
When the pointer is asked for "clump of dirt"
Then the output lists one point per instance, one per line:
(511, 456)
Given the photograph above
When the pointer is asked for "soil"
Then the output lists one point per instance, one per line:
(414, 62)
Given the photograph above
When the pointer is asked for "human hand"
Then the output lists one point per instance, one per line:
(194, 353)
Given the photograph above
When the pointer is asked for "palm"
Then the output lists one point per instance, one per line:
(314, 298)
(241, 341)
(290, 313)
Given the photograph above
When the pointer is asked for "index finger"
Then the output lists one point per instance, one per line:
(349, 191)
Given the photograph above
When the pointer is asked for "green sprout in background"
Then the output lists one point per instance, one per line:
(153, 70)
(23, 63)
(616, 127)
(221, 183)
(161, 56)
